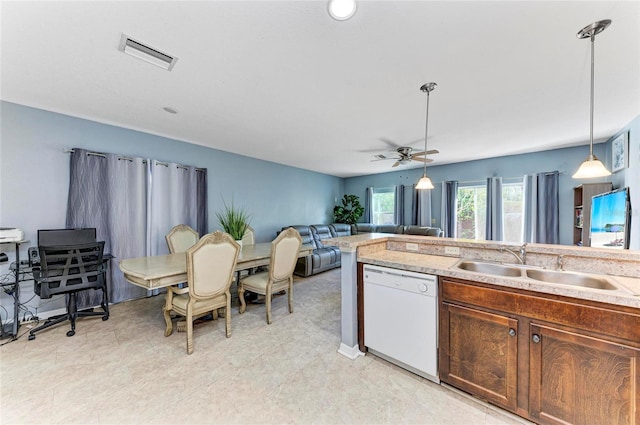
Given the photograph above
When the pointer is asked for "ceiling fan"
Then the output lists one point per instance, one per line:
(405, 154)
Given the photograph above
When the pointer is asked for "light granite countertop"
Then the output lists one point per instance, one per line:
(621, 268)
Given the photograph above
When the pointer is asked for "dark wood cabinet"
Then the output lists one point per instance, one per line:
(548, 358)
(481, 353)
(577, 379)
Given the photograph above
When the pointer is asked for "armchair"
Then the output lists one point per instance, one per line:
(210, 265)
(69, 269)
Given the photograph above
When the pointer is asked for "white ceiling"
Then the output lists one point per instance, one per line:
(282, 81)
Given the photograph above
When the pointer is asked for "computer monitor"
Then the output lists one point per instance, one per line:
(52, 237)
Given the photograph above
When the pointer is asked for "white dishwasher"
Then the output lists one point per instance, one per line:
(401, 318)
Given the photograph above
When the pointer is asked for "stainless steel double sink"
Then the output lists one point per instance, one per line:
(582, 280)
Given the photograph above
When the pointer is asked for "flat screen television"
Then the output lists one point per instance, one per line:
(611, 219)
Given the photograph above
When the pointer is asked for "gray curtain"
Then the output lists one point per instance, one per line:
(449, 208)
(108, 192)
(398, 212)
(174, 200)
(132, 203)
(541, 208)
(368, 204)
(421, 207)
(494, 226)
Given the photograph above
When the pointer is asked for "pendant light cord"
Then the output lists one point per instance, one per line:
(426, 130)
(593, 40)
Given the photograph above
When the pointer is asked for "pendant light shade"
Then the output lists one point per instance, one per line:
(425, 182)
(592, 167)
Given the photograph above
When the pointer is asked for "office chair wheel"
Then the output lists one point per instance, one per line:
(105, 318)
(32, 337)
(71, 333)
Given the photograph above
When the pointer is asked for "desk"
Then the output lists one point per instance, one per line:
(12, 329)
(165, 270)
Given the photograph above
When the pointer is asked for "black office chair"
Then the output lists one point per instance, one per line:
(69, 269)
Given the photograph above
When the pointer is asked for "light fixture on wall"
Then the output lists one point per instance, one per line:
(425, 181)
(592, 166)
(342, 10)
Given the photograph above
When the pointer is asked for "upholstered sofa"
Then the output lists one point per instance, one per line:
(323, 257)
(359, 228)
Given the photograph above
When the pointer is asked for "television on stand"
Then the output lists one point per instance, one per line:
(611, 219)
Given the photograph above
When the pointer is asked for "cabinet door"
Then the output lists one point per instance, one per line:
(576, 379)
(480, 353)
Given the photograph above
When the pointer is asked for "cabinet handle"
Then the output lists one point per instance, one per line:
(535, 338)
(512, 332)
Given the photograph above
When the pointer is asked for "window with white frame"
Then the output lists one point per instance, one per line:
(383, 205)
(471, 214)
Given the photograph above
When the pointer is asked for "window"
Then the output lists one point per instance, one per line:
(513, 211)
(383, 205)
(471, 215)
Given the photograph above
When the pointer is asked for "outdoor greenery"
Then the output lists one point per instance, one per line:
(350, 210)
(233, 220)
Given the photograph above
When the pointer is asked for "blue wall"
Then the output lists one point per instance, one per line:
(34, 177)
(564, 160)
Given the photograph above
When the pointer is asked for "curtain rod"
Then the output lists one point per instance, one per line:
(126, 158)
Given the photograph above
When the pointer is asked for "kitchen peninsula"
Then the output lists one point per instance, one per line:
(576, 308)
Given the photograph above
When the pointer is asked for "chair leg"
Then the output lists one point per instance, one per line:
(290, 294)
(267, 301)
(243, 305)
(189, 332)
(73, 313)
(227, 316)
(167, 318)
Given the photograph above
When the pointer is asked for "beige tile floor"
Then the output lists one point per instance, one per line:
(124, 371)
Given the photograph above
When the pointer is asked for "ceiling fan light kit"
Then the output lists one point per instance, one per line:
(592, 167)
(425, 182)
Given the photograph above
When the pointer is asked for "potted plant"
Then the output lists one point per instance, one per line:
(350, 210)
(234, 221)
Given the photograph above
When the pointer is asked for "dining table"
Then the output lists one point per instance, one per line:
(160, 271)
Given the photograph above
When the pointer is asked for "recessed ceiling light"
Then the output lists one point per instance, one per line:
(146, 53)
(342, 10)
(170, 110)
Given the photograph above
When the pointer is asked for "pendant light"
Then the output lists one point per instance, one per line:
(341, 10)
(425, 181)
(592, 166)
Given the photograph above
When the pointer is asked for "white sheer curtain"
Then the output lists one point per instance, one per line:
(494, 229)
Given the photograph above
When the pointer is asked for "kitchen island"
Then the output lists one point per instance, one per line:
(550, 341)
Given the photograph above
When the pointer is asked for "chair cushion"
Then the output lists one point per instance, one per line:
(340, 229)
(257, 283)
(305, 234)
(320, 232)
(422, 230)
(390, 228)
(180, 303)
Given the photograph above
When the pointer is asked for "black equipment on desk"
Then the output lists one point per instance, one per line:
(69, 269)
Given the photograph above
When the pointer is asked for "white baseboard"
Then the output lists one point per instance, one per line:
(350, 352)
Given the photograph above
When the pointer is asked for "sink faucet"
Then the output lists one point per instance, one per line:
(522, 257)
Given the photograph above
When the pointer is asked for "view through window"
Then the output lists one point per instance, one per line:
(471, 215)
(382, 205)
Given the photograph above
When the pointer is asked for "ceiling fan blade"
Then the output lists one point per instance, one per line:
(390, 143)
(429, 152)
(420, 159)
(395, 164)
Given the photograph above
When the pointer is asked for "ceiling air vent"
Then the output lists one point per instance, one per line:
(148, 54)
